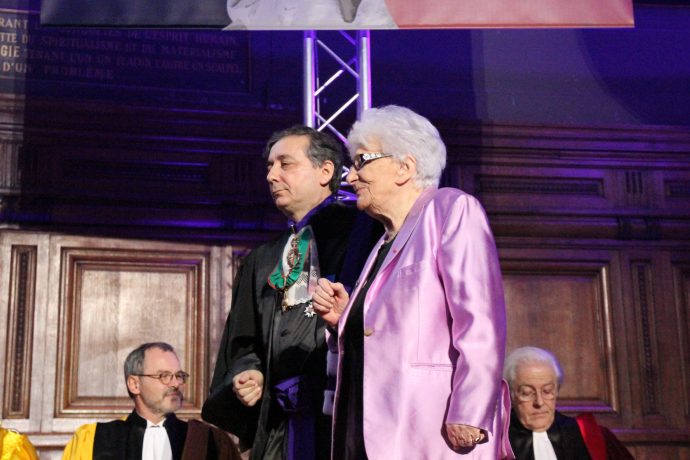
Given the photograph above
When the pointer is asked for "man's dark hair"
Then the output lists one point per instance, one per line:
(322, 147)
(134, 364)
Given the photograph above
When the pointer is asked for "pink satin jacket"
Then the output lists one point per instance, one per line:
(435, 328)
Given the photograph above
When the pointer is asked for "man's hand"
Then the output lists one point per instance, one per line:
(329, 300)
(248, 386)
(463, 436)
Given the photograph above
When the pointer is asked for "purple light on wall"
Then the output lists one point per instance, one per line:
(211, 223)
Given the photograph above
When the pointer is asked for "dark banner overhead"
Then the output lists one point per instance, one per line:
(135, 13)
(338, 14)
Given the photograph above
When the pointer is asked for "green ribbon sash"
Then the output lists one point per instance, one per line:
(281, 282)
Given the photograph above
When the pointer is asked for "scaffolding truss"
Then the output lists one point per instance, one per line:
(350, 62)
(327, 61)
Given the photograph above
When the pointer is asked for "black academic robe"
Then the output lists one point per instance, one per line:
(564, 435)
(258, 335)
(124, 439)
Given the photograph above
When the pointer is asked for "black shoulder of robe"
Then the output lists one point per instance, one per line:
(124, 439)
(564, 435)
(206, 441)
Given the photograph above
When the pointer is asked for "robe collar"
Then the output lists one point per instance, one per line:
(297, 226)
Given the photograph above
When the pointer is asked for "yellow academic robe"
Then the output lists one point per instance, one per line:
(16, 446)
(80, 447)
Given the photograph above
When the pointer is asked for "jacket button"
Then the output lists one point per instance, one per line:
(368, 331)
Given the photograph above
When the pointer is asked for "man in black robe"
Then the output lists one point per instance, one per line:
(537, 430)
(563, 434)
(155, 382)
(270, 375)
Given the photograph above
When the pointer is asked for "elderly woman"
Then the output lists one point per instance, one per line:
(421, 340)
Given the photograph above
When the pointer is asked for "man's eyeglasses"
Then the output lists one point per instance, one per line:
(527, 393)
(166, 377)
(363, 158)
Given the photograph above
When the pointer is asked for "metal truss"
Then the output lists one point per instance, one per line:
(346, 70)
(348, 59)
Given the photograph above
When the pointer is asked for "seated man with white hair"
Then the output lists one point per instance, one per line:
(537, 430)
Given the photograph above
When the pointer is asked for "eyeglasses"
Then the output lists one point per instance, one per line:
(166, 377)
(363, 158)
(526, 393)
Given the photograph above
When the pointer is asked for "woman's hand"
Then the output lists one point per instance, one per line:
(463, 436)
(329, 301)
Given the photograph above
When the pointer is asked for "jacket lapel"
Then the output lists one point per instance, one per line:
(401, 240)
(407, 228)
(361, 280)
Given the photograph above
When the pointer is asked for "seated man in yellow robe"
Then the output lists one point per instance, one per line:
(155, 382)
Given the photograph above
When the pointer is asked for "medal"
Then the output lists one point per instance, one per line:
(309, 311)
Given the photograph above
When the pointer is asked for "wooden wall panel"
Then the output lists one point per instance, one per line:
(560, 300)
(654, 334)
(95, 300)
(112, 301)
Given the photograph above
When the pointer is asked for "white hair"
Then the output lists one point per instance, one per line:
(530, 355)
(400, 132)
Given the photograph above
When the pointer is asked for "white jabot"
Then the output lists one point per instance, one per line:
(543, 450)
(156, 443)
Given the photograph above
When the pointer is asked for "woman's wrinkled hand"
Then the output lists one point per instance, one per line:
(463, 436)
(329, 300)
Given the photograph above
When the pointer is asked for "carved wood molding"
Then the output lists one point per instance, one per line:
(602, 146)
(647, 336)
(18, 363)
(114, 169)
(12, 115)
(9, 166)
(539, 185)
(656, 436)
(624, 229)
(11, 141)
(679, 189)
(230, 130)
